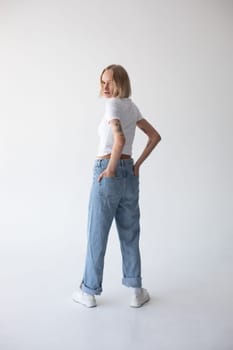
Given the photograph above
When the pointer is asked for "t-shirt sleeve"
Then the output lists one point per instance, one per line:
(112, 110)
(138, 113)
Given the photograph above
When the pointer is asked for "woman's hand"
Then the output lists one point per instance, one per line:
(136, 170)
(106, 173)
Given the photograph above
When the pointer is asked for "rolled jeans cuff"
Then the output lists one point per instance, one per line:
(90, 291)
(135, 282)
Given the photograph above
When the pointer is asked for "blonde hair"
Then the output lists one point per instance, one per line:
(122, 87)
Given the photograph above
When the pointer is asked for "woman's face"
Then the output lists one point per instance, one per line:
(107, 83)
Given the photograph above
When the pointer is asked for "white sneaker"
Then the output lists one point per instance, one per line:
(140, 299)
(83, 298)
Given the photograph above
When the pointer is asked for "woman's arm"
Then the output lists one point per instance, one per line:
(119, 141)
(153, 140)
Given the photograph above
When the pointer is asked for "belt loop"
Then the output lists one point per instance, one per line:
(99, 163)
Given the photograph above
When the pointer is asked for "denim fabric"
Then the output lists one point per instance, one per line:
(113, 197)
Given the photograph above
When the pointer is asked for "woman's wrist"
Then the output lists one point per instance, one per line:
(136, 169)
(110, 172)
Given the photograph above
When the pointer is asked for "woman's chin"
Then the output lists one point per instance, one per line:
(107, 94)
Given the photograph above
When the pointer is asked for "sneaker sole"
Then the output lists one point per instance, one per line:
(137, 306)
(79, 302)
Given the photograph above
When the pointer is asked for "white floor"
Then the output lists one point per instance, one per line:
(190, 308)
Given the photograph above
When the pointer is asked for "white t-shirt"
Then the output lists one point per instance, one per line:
(128, 113)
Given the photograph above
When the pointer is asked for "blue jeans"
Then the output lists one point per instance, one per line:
(113, 197)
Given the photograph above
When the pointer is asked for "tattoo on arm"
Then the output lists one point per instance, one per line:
(117, 127)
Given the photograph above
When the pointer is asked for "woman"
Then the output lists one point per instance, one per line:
(115, 189)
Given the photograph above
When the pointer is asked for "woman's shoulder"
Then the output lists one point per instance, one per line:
(113, 100)
(116, 102)
(117, 99)
(122, 103)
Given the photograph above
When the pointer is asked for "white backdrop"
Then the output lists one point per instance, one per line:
(179, 57)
